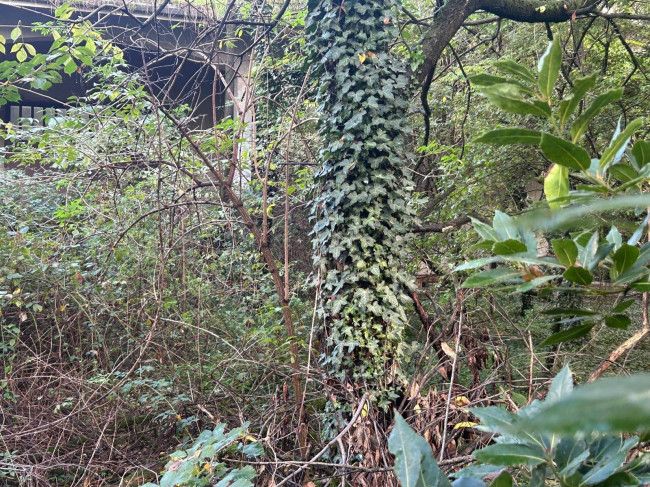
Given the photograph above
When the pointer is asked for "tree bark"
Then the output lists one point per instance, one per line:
(453, 14)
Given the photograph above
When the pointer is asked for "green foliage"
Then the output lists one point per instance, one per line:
(586, 255)
(200, 465)
(363, 215)
(414, 462)
(566, 440)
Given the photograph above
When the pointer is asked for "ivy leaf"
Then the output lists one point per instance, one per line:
(565, 153)
(549, 68)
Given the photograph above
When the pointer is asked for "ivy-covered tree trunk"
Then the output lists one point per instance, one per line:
(362, 217)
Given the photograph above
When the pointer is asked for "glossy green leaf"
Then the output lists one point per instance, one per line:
(508, 247)
(569, 104)
(510, 66)
(617, 146)
(503, 480)
(623, 305)
(414, 462)
(473, 264)
(494, 419)
(632, 275)
(556, 186)
(509, 97)
(641, 152)
(625, 257)
(492, 276)
(581, 124)
(567, 335)
(549, 68)
(561, 386)
(484, 230)
(623, 172)
(579, 275)
(569, 312)
(565, 153)
(618, 321)
(511, 136)
(566, 251)
(614, 405)
(511, 455)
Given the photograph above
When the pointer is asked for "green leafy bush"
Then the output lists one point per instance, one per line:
(199, 465)
(573, 438)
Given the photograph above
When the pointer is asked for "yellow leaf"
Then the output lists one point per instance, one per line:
(178, 417)
(17, 291)
(462, 401)
(362, 57)
(364, 410)
(541, 9)
(249, 438)
(449, 352)
(465, 424)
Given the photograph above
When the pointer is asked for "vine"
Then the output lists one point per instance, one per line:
(362, 217)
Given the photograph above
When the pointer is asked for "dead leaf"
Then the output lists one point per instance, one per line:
(449, 352)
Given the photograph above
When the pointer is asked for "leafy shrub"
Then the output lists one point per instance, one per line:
(573, 438)
(199, 465)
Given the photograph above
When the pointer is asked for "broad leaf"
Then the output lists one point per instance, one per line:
(508, 247)
(581, 124)
(615, 150)
(511, 455)
(561, 386)
(566, 251)
(619, 321)
(509, 66)
(508, 97)
(556, 185)
(549, 68)
(492, 276)
(569, 104)
(494, 419)
(565, 153)
(511, 136)
(641, 153)
(625, 257)
(623, 172)
(617, 404)
(579, 275)
(570, 334)
(414, 462)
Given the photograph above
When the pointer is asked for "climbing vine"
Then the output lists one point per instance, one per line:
(363, 216)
